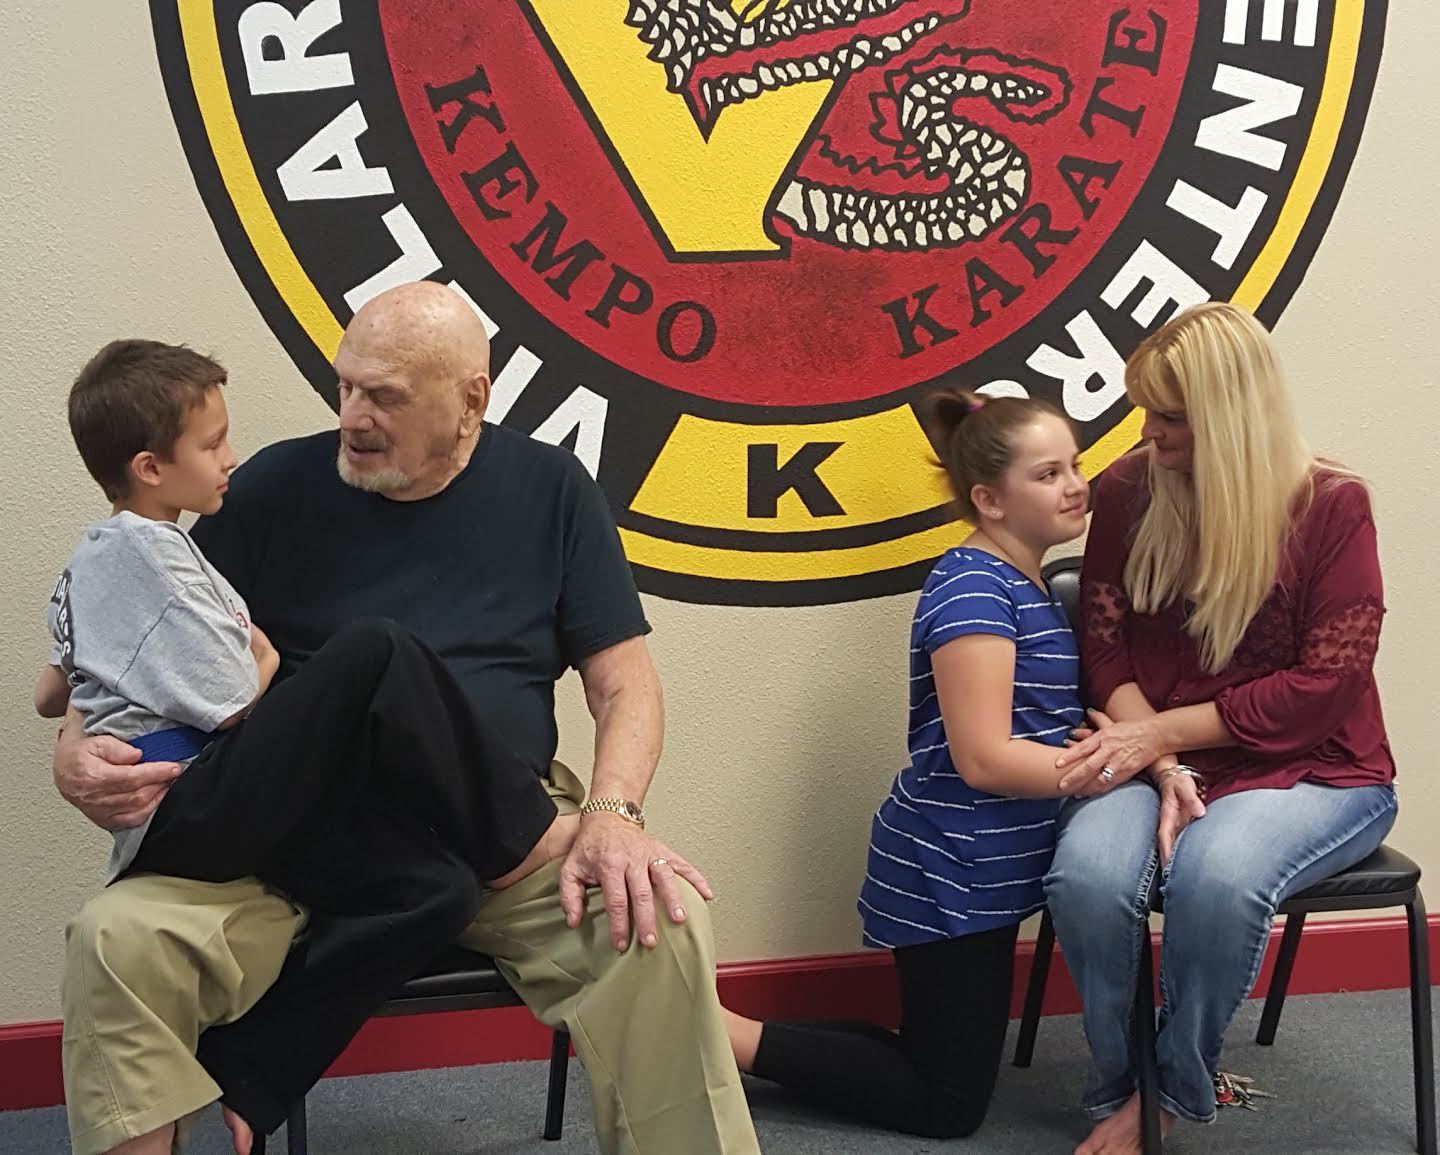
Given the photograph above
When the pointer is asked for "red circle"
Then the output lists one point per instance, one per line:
(808, 328)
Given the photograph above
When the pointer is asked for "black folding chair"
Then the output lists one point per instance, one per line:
(459, 980)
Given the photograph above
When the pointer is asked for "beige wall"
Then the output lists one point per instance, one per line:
(785, 725)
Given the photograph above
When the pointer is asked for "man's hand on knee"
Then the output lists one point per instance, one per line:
(105, 780)
(633, 870)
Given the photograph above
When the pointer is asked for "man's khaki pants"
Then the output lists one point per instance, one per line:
(152, 961)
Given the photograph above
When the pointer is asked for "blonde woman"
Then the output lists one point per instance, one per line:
(1232, 602)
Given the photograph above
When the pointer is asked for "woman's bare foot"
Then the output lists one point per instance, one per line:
(1120, 1133)
(240, 1134)
(744, 1038)
(554, 843)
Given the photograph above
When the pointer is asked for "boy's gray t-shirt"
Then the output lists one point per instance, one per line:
(150, 637)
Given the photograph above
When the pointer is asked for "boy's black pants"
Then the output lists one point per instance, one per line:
(368, 790)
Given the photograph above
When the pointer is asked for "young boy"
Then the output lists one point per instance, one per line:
(370, 749)
(166, 654)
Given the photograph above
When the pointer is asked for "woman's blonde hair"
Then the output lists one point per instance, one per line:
(1216, 537)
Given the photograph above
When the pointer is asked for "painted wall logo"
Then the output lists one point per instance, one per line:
(725, 246)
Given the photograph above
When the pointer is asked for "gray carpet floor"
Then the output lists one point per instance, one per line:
(1340, 1069)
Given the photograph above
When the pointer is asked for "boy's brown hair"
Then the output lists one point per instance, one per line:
(133, 396)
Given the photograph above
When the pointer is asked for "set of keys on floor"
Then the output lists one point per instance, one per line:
(1237, 1091)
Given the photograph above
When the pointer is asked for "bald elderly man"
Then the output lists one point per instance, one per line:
(500, 553)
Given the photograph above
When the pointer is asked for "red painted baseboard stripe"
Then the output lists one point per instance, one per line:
(1350, 955)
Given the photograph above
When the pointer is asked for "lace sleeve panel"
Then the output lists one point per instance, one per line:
(1345, 641)
(1105, 605)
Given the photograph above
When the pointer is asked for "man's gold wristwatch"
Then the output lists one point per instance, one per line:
(621, 806)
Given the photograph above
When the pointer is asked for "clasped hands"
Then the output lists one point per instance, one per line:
(1126, 749)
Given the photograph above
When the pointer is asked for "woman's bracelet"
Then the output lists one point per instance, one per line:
(1190, 772)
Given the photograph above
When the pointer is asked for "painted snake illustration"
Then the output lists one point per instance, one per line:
(904, 159)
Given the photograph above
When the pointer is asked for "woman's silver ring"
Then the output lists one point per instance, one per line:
(654, 862)
(1107, 775)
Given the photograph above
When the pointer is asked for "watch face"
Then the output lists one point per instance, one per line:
(633, 812)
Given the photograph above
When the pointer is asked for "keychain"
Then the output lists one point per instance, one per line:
(1237, 1091)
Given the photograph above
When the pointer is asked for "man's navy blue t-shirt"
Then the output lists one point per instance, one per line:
(512, 573)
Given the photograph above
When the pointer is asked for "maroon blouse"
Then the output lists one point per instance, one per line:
(1299, 695)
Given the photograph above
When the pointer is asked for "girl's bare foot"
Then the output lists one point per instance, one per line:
(157, 1142)
(1120, 1133)
(240, 1134)
(554, 843)
(744, 1038)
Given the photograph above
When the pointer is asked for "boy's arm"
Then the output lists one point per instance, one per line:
(52, 692)
(193, 665)
(267, 657)
(267, 661)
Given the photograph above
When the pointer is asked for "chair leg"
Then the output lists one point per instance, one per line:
(1143, 1034)
(1421, 1027)
(296, 1140)
(1280, 979)
(1035, 991)
(559, 1072)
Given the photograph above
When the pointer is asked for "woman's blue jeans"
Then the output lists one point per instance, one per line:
(1229, 872)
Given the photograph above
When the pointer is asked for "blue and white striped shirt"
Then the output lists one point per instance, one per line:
(947, 859)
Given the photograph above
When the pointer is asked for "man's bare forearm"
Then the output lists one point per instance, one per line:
(629, 734)
(635, 871)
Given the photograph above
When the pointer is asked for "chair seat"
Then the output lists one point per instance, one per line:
(1386, 878)
(457, 973)
(1386, 874)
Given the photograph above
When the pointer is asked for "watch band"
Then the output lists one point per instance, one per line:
(622, 806)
